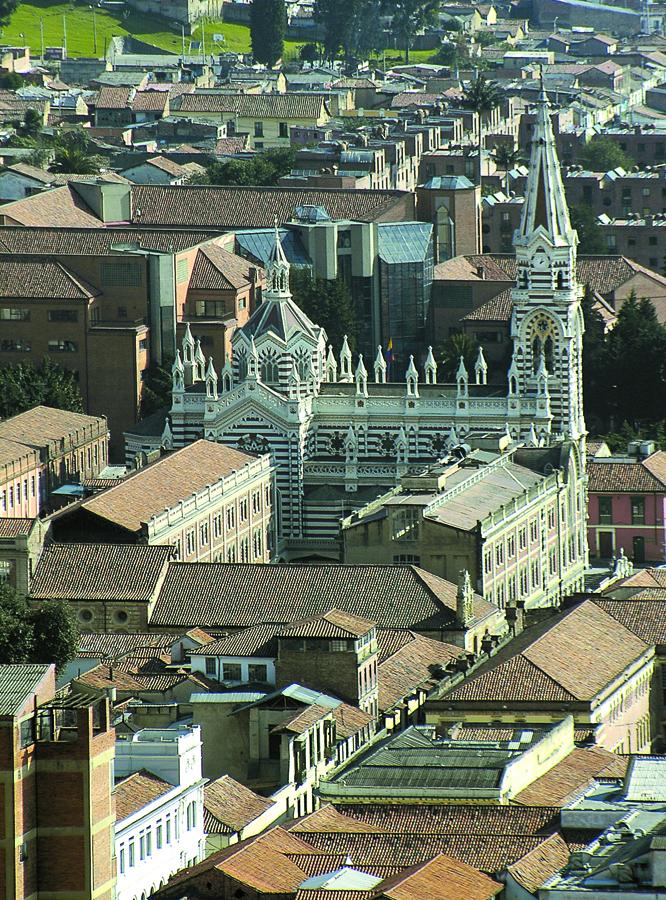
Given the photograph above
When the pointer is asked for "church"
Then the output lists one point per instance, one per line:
(341, 433)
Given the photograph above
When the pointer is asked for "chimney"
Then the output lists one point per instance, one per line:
(481, 272)
(515, 616)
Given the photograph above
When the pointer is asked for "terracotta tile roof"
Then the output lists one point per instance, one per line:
(202, 206)
(514, 679)
(167, 165)
(540, 864)
(12, 452)
(137, 791)
(390, 640)
(38, 426)
(290, 105)
(440, 878)
(149, 101)
(498, 309)
(94, 241)
(620, 477)
(645, 618)
(102, 677)
(111, 644)
(221, 595)
(231, 804)
(198, 634)
(324, 864)
(11, 528)
(573, 775)
(163, 484)
(33, 172)
(349, 720)
(650, 577)
(60, 206)
(259, 641)
(410, 666)
(302, 720)
(490, 854)
(99, 572)
(41, 278)
(465, 820)
(551, 663)
(265, 863)
(114, 97)
(329, 819)
(483, 733)
(229, 146)
(216, 269)
(334, 624)
(405, 99)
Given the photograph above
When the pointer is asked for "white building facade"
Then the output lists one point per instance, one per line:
(340, 437)
(167, 834)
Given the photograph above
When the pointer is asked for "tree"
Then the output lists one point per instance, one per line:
(44, 634)
(7, 7)
(76, 162)
(335, 16)
(506, 156)
(268, 23)
(449, 354)
(410, 16)
(156, 393)
(55, 633)
(593, 354)
(326, 303)
(16, 632)
(482, 96)
(602, 153)
(633, 366)
(308, 53)
(10, 81)
(262, 170)
(590, 236)
(23, 386)
(32, 123)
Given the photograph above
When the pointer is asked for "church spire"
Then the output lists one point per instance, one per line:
(545, 201)
(277, 280)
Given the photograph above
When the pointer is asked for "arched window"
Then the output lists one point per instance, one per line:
(536, 353)
(548, 353)
(269, 370)
(559, 281)
(242, 367)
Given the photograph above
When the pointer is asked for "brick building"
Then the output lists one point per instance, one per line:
(627, 505)
(210, 502)
(43, 448)
(584, 663)
(56, 760)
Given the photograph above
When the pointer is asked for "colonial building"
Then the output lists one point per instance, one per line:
(340, 438)
(500, 515)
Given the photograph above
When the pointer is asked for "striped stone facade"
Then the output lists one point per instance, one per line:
(340, 437)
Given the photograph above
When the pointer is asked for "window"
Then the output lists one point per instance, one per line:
(63, 315)
(409, 559)
(256, 502)
(15, 314)
(142, 846)
(217, 526)
(257, 672)
(63, 347)
(167, 824)
(499, 554)
(605, 510)
(534, 530)
(27, 732)
(190, 541)
(122, 860)
(638, 510)
(210, 666)
(511, 547)
(551, 517)
(406, 524)
(284, 130)
(488, 562)
(553, 562)
(522, 538)
(231, 516)
(15, 346)
(232, 672)
(132, 853)
(159, 836)
(203, 533)
(120, 274)
(191, 815)
(231, 554)
(258, 129)
(242, 509)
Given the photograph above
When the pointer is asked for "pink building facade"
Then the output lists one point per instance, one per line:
(19, 481)
(627, 507)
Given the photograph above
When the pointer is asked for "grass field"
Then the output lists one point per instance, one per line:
(24, 28)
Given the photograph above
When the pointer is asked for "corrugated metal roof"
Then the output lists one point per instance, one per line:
(17, 683)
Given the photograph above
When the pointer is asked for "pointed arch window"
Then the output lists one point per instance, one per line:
(242, 366)
(269, 368)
